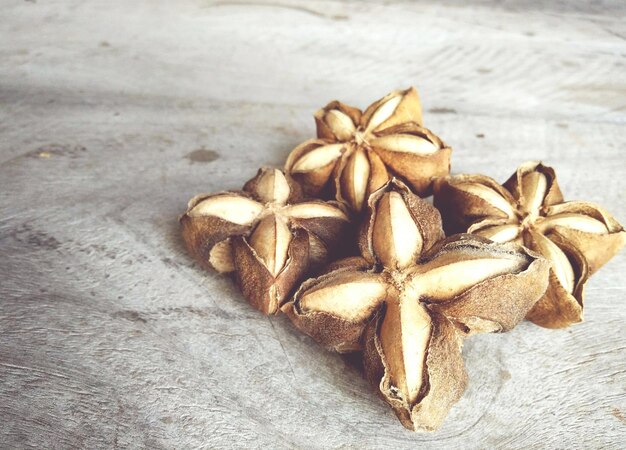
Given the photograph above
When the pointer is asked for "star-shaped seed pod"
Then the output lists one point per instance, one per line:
(410, 299)
(357, 152)
(267, 234)
(577, 237)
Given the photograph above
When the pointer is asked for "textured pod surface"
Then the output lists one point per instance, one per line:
(511, 281)
(589, 228)
(466, 199)
(334, 309)
(312, 164)
(357, 153)
(267, 234)
(265, 290)
(425, 229)
(444, 375)
(562, 303)
(412, 298)
(529, 209)
(207, 236)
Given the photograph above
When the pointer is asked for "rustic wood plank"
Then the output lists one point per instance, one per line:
(112, 114)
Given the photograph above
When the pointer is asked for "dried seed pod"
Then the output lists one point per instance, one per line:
(267, 234)
(467, 199)
(357, 151)
(313, 162)
(420, 220)
(443, 378)
(411, 298)
(576, 237)
(562, 304)
(497, 230)
(589, 228)
(266, 288)
(335, 307)
(212, 220)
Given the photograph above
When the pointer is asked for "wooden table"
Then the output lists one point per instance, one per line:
(114, 113)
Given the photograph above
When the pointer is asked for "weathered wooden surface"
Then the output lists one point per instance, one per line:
(113, 113)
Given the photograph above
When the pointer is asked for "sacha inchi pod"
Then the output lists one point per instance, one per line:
(576, 237)
(412, 297)
(267, 234)
(357, 152)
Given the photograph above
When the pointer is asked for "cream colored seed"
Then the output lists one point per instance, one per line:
(341, 124)
(271, 240)
(447, 281)
(318, 158)
(233, 208)
(489, 195)
(396, 239)
(352, 297)
(221, 257)
(500, 233)
(406, 323)
(355, 177)
(311, 210)
(384, 112)
(578, 222)
(405, 143)
(560, 263)
(273, 187)
(534, 187)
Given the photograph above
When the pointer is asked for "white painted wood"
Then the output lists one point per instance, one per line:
(110, 337)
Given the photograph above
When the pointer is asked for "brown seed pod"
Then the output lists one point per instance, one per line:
(576, 237)
(267, 234)
(412, 297)
(356, 153)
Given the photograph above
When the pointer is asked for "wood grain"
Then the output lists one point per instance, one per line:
(113, 114)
